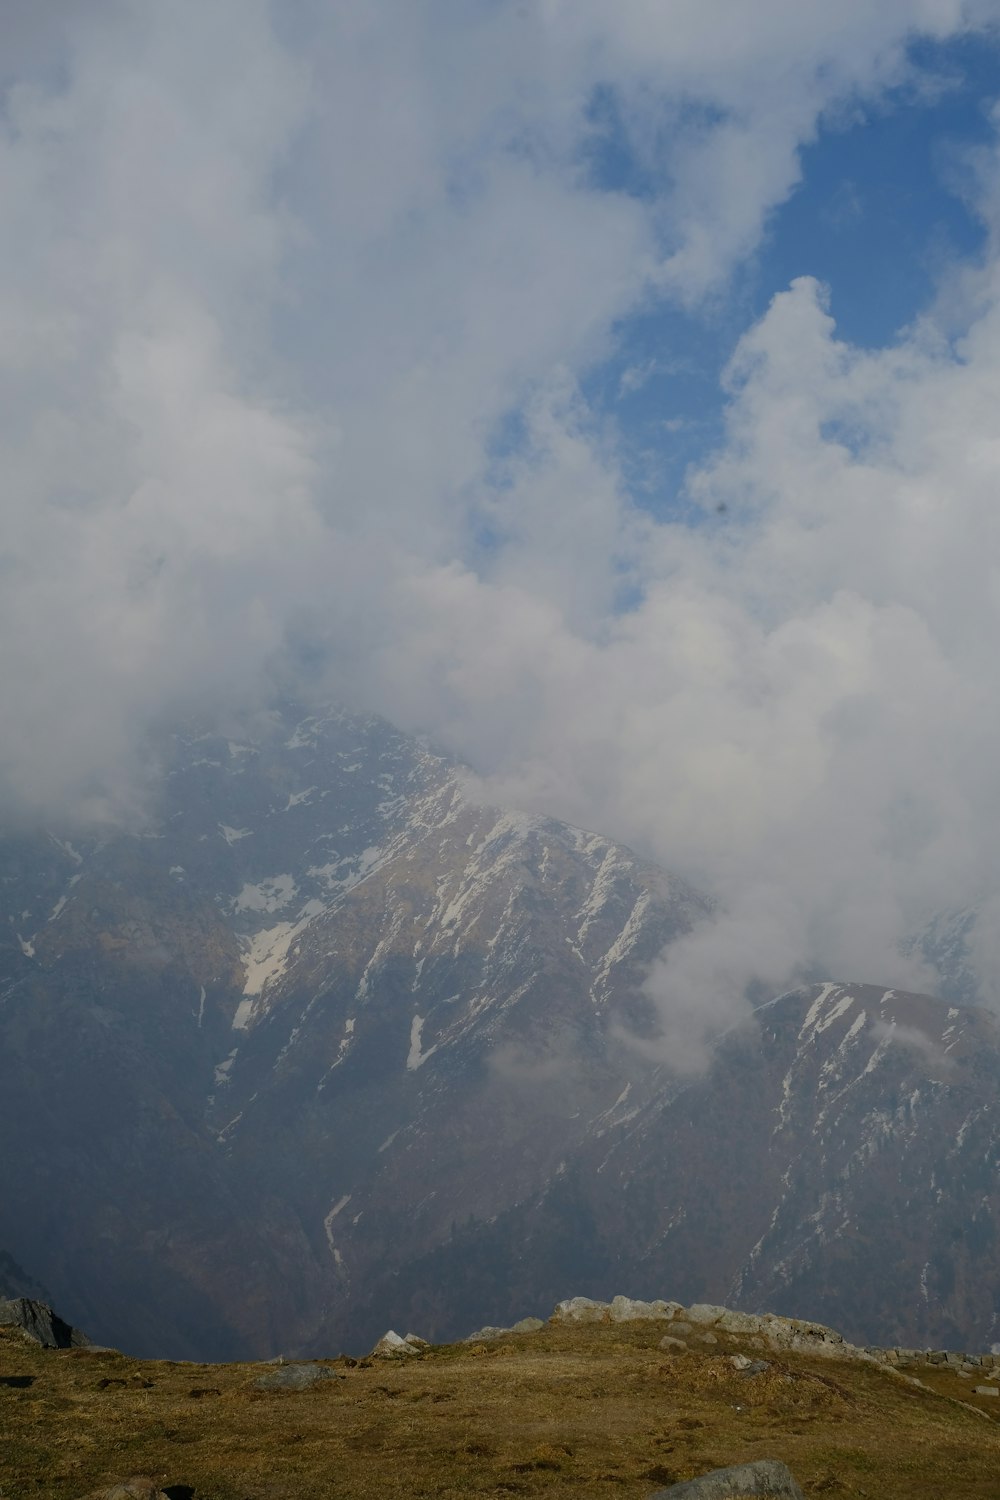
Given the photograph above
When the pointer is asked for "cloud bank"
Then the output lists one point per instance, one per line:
(293, 336)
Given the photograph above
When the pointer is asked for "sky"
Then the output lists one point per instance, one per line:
(609, 391)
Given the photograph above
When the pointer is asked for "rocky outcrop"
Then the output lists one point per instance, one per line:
(40, 1323)
(391, 1346)
(765, 1477)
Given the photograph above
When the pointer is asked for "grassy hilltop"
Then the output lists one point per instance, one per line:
(589, 1410)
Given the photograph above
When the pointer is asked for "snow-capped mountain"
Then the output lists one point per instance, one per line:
(323, 1008)
(839, 1160)
(329, 1044)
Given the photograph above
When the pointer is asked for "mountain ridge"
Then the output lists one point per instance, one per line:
(330, 1033)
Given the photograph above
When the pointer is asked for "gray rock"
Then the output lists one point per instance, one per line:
(766, 1476)
(489, 1332)
(296, 1377)
(631, 1310)
(704, 1312)
(391, 1346)
(680, 1328)
(581, 1310)
(669, 1343)
(740, 1322)
(986, 1390)
(40, 1323)
(528, 1325)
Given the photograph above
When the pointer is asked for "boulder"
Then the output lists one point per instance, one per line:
(40, 1323)
(986, 1390)
(739, 1322)
(800, 1335)
(391, 1346)
(296, 1377)
(489, 1332)
(528, 1325)
(669, 1344)
(765, 1476)
(704, 1312)
(581, 1310)
(631, 1310)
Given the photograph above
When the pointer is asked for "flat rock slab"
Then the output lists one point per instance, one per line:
(765, 1477)
(296, 1377)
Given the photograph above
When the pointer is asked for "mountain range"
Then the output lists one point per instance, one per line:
(327, 1043)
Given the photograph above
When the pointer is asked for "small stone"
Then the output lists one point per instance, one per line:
(528, 1325)
(680, 1327)
(668, 1344)
(740, 1361)
(706, 1338)
(488, 1332)
(416, 1342)
(986, 1390)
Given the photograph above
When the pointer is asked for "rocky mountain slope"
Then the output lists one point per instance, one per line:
(329, 1043)
(839, 1159)
(323, 1008)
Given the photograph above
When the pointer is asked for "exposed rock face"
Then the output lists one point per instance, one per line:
(329, 1044)
(839, 1159)
(40, 1323)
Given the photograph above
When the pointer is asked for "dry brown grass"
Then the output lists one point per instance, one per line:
(592, 1411)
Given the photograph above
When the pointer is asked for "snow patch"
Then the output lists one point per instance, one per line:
(223, 1069)
(233, 835)
(416, 1057)
(265, 956)
(67, 848)
(304, 736)
(272, 894)
(328, 1227)
(297, 798)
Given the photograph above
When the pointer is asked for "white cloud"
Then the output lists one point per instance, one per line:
(281, 275)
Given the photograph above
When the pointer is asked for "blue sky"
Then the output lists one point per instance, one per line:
(885, 209)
